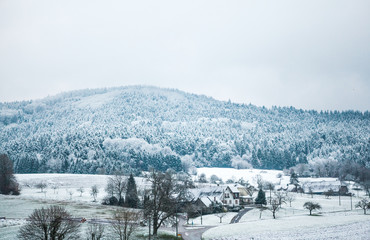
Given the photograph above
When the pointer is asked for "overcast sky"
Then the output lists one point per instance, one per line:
(307, 54)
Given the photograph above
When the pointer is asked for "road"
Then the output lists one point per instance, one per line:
(240, 214)
(189, 232)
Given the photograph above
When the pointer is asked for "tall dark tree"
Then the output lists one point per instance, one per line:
(8, 183)
(132, 199)
(261, 197)
(294, 180)
(164, 196)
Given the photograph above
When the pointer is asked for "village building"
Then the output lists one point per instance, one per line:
(230, 196)
(323, 186)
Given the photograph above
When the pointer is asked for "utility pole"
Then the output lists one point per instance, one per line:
(150, 218)
(351, 200)
(201, 216)
(339, 194)
(177, 223)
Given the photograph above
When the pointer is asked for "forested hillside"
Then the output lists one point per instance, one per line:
(103, 130)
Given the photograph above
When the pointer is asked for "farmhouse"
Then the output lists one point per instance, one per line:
(322, 186)
(230, 196)
(206, 198)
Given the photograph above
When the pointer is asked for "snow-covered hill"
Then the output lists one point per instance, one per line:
(134, 128)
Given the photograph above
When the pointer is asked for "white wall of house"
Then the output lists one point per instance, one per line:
(231, 199)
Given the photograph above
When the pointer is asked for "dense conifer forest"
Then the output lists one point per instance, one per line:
(135, 128)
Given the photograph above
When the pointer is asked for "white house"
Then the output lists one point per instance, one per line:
(231, 196)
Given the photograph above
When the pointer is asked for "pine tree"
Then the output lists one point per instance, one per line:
(132, 199)
(294, 180)
(8, 183)
(261, 198)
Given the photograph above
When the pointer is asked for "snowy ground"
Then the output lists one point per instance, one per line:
(328, 226)
(293, 222)
(211, 220)
(333, 221)
(64, 187)
(17, 208)
(249, 175)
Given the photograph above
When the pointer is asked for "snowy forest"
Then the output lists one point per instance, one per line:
(134, 128)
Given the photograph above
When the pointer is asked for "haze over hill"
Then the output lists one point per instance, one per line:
(134, 128)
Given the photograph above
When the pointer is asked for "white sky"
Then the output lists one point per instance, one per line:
(308, 54)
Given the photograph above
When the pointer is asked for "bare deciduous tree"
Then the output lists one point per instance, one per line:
(311, 206)
(270, 186)
(329, 193)
(220, 215)
(275, 206)
(310, 191)
(94, 192)
(81, 190)
(125, 223)
(259, 181)
(117, 186)
(70, 192)
(280, 196)
(41, 186)
(290, 198)
(95, 231)
(261, 208)
(55, 187)
(53, 222)
(165, 193)
(364, 204)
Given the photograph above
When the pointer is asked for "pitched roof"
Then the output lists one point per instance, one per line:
(233, 188)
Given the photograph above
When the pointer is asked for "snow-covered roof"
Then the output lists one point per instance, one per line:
(233, 188)
(322, 186)
(215, 191)
(206, 201)
(246, 197)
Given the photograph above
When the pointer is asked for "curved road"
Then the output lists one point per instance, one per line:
(240, 214)
(194, 233)
(189, 232)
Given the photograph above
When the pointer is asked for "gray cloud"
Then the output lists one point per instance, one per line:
(308, 54)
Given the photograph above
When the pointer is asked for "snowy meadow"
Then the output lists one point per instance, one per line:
(333, 221)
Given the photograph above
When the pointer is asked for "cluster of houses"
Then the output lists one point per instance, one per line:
(229, 196)
(235, 196)
(324, 186)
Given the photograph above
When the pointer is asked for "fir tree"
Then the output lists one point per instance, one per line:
(294, 180)
(8, 183)
(132, 199)
(261, 198)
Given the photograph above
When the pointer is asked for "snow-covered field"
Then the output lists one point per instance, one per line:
(64, 187)
(249, 175)
(329, 226)
(334, 221)
(61, 190)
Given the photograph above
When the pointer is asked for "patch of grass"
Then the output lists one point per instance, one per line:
(160, 236)
(166, 236)
(83, 206)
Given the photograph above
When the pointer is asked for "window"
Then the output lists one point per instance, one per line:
(236, 201)
(230, 202)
